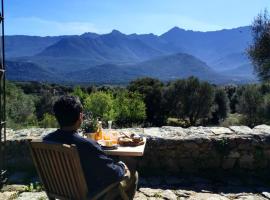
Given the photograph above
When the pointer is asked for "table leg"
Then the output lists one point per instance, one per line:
(131, 163)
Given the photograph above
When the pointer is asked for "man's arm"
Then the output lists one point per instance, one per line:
(106, 167)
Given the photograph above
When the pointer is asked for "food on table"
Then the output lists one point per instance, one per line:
(130, 140)
(108, 143)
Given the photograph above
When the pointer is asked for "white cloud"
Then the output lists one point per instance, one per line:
(42, 27)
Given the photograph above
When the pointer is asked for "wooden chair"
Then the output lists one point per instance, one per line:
(60, 171)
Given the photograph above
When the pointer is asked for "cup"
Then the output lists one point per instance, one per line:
(91, 136)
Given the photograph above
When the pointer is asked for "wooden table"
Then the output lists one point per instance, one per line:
(127, 151)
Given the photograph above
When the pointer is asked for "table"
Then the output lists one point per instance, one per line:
(128, 155)
(127, 151)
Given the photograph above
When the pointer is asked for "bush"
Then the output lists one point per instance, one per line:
(151, 91)
(48, 121)
(20, 108)
(251, 105)
(190, 100)
(130, 109)
(100, 105)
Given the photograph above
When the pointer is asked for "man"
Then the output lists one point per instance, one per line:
(99, 170)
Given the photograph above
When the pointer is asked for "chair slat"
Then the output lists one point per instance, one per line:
(43, 165)
(67, 177)
(60, 170)
(57, 171)
(51, 170)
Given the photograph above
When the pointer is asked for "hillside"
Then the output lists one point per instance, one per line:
(165, 68)
(27, 71)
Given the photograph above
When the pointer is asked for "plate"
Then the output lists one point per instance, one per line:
(115, 146)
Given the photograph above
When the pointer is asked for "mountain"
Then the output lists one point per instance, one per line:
(27, 71)
(217, 56)
(165, 68)
(23, 45)
(114, 47)
(245, 70)
(210, 46)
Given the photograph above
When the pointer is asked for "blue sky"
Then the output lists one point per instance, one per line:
(66, 17)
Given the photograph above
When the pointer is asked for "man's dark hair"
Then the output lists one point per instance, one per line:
(67, 110)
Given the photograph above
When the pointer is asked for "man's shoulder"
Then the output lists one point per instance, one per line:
(50, 135)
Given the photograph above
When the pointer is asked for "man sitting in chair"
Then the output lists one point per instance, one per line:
(99, 170)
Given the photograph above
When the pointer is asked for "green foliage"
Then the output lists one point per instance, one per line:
(221, 106)
(79, 93)
(259, 51)
(89, 125)
(130, 108)
(48, 121)
(151, 91)
(101, 105)
(234, 119)
(35, 187)
(250, 104)
(44, 104)
(20, 107)
(189, 100)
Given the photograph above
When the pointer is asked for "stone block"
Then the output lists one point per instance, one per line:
(246, 161)
(234, 154)
(228, 163)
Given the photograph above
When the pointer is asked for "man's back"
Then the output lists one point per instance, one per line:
(99, 169)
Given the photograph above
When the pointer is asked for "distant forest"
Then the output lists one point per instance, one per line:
(144, 102)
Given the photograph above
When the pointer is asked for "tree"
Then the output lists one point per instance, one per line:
(189, 99)
(130, 108)
(101, 105)
(79, 93)
(151, 91)
(259, 51)
(45, 104)
(221, 106)
(20, 107)
(251, 105)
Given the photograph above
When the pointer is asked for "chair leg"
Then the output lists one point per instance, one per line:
(123, 194)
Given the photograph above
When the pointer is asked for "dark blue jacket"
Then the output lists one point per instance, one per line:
(99, 170)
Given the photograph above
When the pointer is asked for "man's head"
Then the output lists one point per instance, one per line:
(68, 111)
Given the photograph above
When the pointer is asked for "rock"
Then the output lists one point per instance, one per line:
(140, 196)
(246, 161)
(168, 194)
(241, 129)
(184, 193)
(220, 130)
(250, 197)
(228, 163)
(14, 187)
(8, 195)
(208, 196)
(264, 129)
(200, 130)
(234, 154)
(151, 192)
(266, 194)
(32, 196)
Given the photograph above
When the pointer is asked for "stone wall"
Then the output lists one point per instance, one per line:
(174, 150)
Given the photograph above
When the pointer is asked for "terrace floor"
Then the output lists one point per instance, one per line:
(185, 188)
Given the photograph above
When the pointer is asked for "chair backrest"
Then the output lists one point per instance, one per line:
(60, 170)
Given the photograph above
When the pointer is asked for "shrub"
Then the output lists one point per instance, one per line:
(101, 105)
(48, 121)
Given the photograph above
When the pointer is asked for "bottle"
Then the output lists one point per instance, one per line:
(99, 134)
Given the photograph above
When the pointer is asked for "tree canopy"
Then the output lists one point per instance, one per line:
(259, 50)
